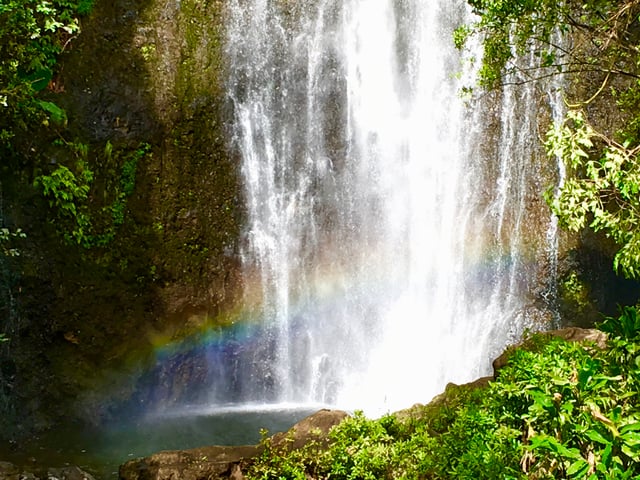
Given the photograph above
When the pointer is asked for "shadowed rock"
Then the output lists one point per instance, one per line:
(195, 464)
(8, 471)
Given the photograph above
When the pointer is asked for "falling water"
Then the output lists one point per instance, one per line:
(394, 237)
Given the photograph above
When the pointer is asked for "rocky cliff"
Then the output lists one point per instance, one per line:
(83, 323)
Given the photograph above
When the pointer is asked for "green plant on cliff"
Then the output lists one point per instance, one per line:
(558, 409)
(127, 182)
(69, 195)
(66, 191)
(603, 181)
(602, 191)
(32, 35)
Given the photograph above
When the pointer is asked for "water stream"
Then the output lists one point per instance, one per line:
(396, 236)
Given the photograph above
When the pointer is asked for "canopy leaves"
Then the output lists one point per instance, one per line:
(597, 44)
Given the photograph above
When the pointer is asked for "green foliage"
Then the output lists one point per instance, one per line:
(513, 28)
(282, 462)
(64, 189)
(69, 196)
(67, 193)
(625, 327)
(572, 410)
(575, 294)
(127, 181)
(32, 35)
(507, 28)
(602, 189)
(56, 114)
(361, 449)
(570, 402)
(557, 410)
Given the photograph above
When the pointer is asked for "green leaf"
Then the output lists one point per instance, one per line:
(595, 436)
(56, 114)
(630, 453)
(632, 439)
(541, 399)
(631, 427)
(606, 455)
(553, 445)
(39, 79)
(578, 468)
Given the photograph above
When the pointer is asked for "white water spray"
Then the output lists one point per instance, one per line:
(388, 248)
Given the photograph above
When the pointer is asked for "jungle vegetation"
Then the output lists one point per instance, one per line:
(58, 167)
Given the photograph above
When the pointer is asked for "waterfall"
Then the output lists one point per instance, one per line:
(396, 237)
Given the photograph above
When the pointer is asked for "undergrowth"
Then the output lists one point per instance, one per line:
(558, 409)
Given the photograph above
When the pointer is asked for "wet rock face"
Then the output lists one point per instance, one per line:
(152, 72)
(86, 322)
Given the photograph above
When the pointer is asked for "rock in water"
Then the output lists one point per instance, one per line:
(213, 463)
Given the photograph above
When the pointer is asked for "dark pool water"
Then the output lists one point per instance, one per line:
(101, 452)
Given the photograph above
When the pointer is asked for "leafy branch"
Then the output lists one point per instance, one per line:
(602, 191)
(601, 33)
(596, 42)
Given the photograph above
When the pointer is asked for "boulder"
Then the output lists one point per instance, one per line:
(206, 463)
(575, 334)
(213, 463)
(312, 428)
